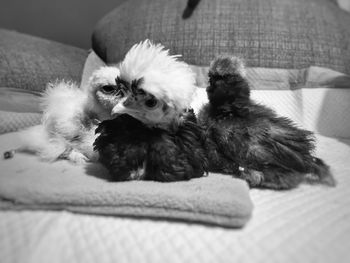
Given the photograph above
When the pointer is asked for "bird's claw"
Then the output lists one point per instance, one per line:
(77, 157)
(137, 174)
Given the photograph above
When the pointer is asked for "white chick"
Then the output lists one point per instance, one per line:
(70, 117)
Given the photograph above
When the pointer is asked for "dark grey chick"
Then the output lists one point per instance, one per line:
(250, 140)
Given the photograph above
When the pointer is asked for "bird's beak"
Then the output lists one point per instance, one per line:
(119, 109)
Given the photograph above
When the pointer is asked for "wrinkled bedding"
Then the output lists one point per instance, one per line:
(308, 224)
(28, 183)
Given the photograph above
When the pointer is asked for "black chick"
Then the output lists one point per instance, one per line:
(133, 151)
(251, 141)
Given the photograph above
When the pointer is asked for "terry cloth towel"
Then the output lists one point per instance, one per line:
(27, 183)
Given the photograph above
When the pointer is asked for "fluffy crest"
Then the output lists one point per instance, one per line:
(103, 76)
(164, 76)
(227, 65)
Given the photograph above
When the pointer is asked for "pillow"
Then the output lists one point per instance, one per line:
(14, 121)
(345, 4)
(266, 33)
(315, 98)
(28, 62)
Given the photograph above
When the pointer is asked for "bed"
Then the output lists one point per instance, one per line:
(309, 83)
(308, 224)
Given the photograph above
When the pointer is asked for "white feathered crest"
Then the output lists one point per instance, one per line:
(164, 76)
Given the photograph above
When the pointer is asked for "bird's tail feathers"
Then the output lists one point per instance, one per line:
(320, 173)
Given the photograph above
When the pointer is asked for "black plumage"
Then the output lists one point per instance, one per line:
(133, 151)
(251, 141)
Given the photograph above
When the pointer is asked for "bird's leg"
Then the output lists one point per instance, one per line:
(77, 157)
(280, 179)
(272, 178)
(138, 174)
(253, 177)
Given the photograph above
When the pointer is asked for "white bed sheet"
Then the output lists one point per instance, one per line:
(308, 224)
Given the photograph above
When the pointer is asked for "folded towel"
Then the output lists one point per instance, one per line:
(27, 183)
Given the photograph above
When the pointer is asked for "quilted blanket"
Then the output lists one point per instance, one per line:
(308, 224)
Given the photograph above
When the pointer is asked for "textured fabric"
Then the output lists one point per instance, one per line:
(19, 109)
(267, 33)
(92, 63)
(316, 98)
(14, 121)
(216, 199)
(308, 224)
(322, 110)
(28, 62)
(345, 4)
(19, 100)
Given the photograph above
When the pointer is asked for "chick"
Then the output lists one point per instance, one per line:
(70, 116)
(251, 141)
(133, 151)
(153, 136)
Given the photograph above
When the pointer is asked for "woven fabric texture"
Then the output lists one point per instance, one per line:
(86, 188)
(13, 121)
(29, 62)
(267, 33)
(307, 225)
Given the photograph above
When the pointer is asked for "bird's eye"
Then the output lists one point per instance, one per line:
(108, 89)
(151, 103)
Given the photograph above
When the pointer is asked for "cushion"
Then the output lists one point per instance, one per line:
(26, 183)
(306, 225)
(315, 98)
(345, 4)
(19, 109)
(13, 121)
(28, 62)
(267, 33)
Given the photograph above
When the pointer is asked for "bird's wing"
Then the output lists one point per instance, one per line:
(119, 152)
(165, 161)
(63, 106)
(178, 155)
(282, 144)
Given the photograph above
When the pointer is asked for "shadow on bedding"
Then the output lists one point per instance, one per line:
(97, 170)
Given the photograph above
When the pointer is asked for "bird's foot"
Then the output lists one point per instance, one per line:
(281, 179)
(137, 174)
(253, 177)
(77, 157)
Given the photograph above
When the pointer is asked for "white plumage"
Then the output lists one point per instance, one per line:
(164, 76)
(71, 114)
(70, 117)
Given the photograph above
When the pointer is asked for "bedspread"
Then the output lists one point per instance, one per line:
(307, 224)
